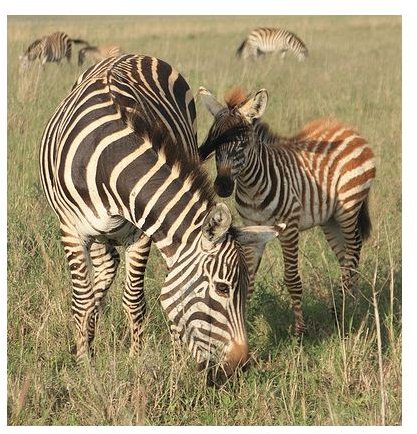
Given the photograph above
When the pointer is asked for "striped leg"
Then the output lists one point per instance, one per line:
(289, 243)
(82, 304)
(105, 260)
(68, 54)
(353, 246)
(253, 255)
(336, 241)
(133, 297)
(335, 238)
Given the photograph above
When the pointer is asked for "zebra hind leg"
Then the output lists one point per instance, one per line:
(352, 251)
(134, 302)
(105, 260)
(83, 303)
(289, 244)
(345, 240)
(336, 241)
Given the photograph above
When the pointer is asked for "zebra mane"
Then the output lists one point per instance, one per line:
(236, 97)
(265, 135)
(147, 125)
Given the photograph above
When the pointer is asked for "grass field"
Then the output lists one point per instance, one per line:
(332, 378)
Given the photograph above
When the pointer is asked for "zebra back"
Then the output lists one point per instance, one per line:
(156, 85)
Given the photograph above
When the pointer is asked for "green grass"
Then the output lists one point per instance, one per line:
(335, 377)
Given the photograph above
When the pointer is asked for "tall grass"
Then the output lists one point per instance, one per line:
(346, 374)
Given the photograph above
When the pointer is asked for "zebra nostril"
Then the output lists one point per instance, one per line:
(224, 185)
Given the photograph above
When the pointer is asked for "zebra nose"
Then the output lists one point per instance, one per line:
(236, 356)
(223, 185)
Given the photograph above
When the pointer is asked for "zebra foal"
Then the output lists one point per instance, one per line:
(267, 40)
(49, 48)
(119, 165)
(321, 176)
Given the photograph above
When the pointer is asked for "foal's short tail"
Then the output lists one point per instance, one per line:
(364, 221)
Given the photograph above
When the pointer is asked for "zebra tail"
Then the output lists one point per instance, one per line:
(240, 49)
(79, 41)
(364, 221)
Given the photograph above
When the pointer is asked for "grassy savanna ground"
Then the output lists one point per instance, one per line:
(333, 377)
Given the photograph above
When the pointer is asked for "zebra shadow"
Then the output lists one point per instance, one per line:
(270, 319)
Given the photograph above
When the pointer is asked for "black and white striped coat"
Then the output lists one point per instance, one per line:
(268, 40)
(119, 166)
(321, 176)
(50, 48)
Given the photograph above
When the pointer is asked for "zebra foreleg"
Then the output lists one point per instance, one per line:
(105, 260)
(134, 302)
(289, 243)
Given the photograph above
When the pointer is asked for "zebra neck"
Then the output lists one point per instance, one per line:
(177, 236)
(166, 203)
(261, 176)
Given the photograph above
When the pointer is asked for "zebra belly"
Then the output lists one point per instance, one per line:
(255, 216)
(115, 230)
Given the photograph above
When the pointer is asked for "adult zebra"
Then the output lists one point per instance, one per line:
(321, 176)
(267, 40)
(119, 165)
(97, 53)
(49, 48)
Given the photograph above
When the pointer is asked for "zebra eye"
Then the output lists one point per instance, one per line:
(222, 289)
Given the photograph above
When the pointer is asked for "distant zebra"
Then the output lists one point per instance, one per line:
(99, 53)
(50, 48)
(321, 176)
(119, 165)
(267, 40)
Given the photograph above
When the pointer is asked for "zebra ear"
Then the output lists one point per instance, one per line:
(250, 235)
(255, 107)
(209, 101)
(216, 224)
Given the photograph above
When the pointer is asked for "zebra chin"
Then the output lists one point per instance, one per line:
(224, 186)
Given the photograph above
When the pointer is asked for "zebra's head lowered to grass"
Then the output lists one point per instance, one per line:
(204, 297)
(231, 134)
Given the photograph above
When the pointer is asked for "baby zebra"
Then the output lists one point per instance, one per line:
(321, 176)
(49, 48)
(267, 40)
(99, 53)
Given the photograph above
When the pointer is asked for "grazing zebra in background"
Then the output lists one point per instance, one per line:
(321, 176)
(99, 53)
(267, 40)
(119, 165)
(50, 48)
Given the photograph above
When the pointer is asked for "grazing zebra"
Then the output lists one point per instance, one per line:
(50, 48)
(99, 53)
(119, 165)
(321, 176)
(266, 40)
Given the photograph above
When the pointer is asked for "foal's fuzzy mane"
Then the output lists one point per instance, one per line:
(236, 97)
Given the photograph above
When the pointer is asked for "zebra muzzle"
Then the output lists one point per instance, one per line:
(236, 356)
(224, 185)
